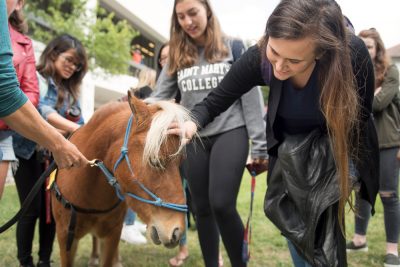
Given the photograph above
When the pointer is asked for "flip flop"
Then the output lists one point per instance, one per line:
(220, 261)
(178, 260)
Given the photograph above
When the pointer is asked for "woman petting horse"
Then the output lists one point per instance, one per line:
(60, 77)
(319, 123)
(140, 165)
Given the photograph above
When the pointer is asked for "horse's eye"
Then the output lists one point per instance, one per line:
(157, 164)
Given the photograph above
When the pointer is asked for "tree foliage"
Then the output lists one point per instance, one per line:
(107, 40)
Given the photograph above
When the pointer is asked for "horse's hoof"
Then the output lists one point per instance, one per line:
(93, 262)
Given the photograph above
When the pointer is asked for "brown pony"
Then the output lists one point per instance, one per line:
(83, 201)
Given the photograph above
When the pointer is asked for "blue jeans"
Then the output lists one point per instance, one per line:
(389, 183)
(298, 261)
(130, 217)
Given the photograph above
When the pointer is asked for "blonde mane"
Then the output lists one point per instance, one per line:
(157, 134)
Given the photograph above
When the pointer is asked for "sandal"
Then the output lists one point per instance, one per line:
(178, 260)
(220, 260)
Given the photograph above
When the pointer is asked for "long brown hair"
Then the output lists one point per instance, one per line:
(183, 51)
(381, 61)
(47, 68)
(17, 20)
(322, 20)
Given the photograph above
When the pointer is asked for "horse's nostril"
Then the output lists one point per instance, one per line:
(175, 235)
(154, 236)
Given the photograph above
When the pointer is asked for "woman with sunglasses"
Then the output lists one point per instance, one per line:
(61, 68)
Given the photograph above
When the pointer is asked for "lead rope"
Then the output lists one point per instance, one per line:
(247, 230)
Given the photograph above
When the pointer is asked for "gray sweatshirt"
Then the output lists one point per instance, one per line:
(194, 84)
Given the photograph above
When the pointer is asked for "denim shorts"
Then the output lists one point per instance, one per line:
(6, 147)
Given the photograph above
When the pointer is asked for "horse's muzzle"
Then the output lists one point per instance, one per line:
(169, 241)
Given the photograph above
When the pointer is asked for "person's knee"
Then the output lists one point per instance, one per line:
(389, 198)
(222, 208)
(202, 210)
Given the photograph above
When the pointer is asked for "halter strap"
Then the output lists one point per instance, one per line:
(155, 200)
(124, 148)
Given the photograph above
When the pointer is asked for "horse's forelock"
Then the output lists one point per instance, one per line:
(157, 134)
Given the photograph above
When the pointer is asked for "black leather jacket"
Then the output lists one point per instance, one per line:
(302, 197)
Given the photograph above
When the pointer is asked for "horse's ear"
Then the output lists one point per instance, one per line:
(139, 109)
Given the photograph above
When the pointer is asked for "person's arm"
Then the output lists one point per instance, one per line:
(47, 109)
(28, 122)
(244, 74)
(11, 97)
(389, 89)
(59, 122)
(253, 109)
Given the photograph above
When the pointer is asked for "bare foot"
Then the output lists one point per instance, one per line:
(220, 260)
(179, 259)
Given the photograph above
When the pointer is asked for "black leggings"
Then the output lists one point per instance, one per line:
(26, 176)
(214, 169)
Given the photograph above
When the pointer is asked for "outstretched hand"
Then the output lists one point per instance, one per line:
(187, 132)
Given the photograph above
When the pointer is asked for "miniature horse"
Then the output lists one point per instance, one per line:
(152, 162)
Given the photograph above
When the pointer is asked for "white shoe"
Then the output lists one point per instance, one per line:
(141, 227)
(132, 235)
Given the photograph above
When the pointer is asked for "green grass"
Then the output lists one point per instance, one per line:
(268, 247)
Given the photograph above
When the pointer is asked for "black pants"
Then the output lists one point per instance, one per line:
(214, 170)
(26, 176)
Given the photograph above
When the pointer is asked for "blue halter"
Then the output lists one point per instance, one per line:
(155, 200)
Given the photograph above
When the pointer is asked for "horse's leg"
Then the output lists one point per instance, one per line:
(67, 257)
(109, 250)
(95, 255)
(117, 260)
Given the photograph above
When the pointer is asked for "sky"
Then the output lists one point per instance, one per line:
(246, 19)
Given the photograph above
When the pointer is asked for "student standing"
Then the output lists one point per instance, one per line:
(387, 121)
(199, 57)
(61, 68)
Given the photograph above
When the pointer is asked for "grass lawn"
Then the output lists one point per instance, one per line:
(268, 248)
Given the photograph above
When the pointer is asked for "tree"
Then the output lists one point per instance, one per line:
(107, 40)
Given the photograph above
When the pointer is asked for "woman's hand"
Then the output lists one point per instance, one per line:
(398, 155)
(257, 165)
(187, 132)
